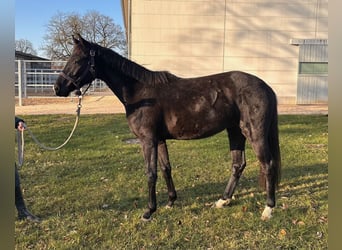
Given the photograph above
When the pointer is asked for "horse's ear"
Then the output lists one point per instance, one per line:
(82, 41)
(79, 40)
(75, 40)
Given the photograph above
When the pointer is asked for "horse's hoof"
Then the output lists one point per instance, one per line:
(221, 203)
(267, 213)
(146, 218)
(169, 204)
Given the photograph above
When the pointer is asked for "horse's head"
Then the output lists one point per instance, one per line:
(79, 69)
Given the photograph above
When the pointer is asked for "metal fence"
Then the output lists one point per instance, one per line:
(36, 78)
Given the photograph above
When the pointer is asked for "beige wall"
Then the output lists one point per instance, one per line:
(201, 37)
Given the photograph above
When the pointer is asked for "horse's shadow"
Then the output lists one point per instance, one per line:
(296, 181)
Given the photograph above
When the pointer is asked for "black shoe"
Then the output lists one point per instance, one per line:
(25, 214)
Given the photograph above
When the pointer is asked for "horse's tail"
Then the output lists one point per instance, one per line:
(273, 139)
(273, 142)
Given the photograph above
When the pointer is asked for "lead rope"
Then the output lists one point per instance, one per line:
(20, 134)
(71, 133)
(20, 140)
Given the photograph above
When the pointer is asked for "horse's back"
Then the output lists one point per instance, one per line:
(234, 81)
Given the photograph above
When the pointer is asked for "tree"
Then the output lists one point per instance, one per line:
(93, 26)
(25, 46)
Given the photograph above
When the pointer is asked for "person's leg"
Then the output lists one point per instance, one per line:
(23, 213)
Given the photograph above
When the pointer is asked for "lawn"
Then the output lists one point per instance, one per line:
(91, 193)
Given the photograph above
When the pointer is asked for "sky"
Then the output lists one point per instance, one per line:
(32, 16)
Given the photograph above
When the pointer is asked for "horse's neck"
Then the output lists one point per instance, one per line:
(119, 83)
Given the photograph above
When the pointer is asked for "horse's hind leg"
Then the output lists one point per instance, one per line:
(237, 148)
(266, 178)
(165, 166)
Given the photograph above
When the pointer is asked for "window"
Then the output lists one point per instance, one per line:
(313, 68)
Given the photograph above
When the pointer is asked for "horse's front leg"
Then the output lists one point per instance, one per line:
(163, 157)
(150, 156)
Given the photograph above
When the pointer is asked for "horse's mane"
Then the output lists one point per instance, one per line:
(134, 70)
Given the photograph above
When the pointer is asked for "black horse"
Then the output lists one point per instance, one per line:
(161, 106)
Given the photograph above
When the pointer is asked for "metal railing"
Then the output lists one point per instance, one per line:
(36, 78)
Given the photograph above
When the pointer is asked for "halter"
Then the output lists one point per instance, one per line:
(90, 68)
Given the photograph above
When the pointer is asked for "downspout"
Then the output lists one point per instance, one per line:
(224, 35)
(126, 6)
(129, 29)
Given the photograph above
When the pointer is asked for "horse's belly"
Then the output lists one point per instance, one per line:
(190, 126)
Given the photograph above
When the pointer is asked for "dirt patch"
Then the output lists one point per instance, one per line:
(44, 100)
(312, 109)
(68, 105)
(109, 104)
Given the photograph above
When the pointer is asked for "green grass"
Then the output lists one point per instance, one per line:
(91, 193)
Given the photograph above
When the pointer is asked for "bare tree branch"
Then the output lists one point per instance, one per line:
(25, 46)
(94, 26)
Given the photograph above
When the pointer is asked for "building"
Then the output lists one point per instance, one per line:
(33, 74)
(282, 42)
(32, 61)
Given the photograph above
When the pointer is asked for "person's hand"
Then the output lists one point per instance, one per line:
(21, 126)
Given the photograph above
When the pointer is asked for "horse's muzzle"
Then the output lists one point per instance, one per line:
(59, 91)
